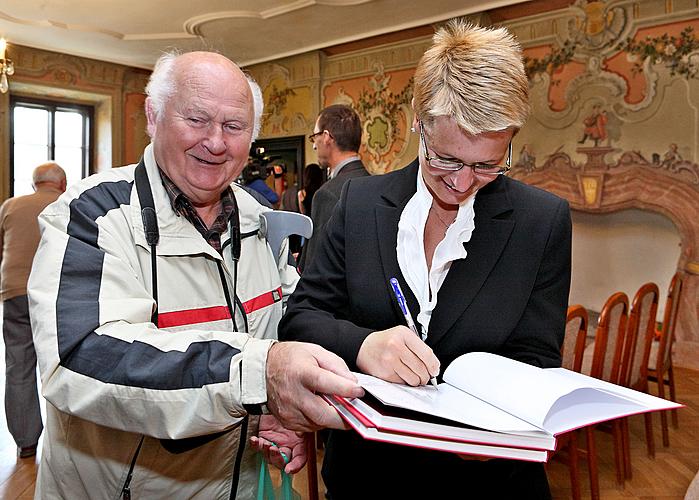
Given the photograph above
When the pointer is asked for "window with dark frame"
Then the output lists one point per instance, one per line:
(42, 131)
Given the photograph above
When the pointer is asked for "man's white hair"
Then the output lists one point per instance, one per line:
(161, 87)
(258, 103)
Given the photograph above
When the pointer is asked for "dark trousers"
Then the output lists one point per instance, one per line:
(356, 468)
(21, 395)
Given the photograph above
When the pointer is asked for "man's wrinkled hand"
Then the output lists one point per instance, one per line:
(273, 439)
(296, 373)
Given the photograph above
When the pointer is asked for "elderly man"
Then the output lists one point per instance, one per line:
(19, 237)
(155, 304)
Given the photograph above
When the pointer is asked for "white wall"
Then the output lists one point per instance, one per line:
(620, 251)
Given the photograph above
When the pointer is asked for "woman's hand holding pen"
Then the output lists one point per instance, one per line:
(398, 355)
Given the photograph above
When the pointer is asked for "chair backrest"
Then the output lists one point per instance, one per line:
(574, 340)
(609, 338)
(667, 332)
(640, 333)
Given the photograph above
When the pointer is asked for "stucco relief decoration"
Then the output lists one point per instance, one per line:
(670, 161)
(63, 76)
(63, 71)
(597, 93)
(593, 29)
(597, 25)
(382, 113)
(556, 59)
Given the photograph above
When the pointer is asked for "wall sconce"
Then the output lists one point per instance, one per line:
(7, 67)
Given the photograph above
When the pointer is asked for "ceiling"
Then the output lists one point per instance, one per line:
(136, 32)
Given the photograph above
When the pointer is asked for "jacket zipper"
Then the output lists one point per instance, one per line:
(126, 490)
(244, 423)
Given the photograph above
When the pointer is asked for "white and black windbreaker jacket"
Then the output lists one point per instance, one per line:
(110, 375)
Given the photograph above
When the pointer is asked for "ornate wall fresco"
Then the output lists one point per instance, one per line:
(377, 83)
(615, 119)
(601, 76)
(383, 103)
(290, 88)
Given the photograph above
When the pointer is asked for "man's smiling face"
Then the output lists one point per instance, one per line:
(202, 137)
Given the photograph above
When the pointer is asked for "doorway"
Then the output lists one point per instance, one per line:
(287, 151)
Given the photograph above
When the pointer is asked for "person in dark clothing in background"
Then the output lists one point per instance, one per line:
(336, 137)
(312, 180)
(254, 175)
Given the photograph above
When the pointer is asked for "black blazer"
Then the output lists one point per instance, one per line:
(324, 201)
(508, 296)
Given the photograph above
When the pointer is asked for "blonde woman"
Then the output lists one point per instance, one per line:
(483, 259)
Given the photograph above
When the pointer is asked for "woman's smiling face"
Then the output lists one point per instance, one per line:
(445, 140)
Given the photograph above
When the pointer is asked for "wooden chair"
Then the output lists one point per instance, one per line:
(574, 340)
(639, 337)
(603, 359)
(660, 362)
(572, 353)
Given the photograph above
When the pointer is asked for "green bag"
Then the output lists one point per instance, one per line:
(266, 489)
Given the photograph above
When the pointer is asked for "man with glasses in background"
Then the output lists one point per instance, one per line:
(336, 138)
(483, 260)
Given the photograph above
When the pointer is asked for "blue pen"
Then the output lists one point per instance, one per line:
(408, 318)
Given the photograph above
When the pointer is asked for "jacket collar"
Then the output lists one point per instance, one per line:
(177, 235)
(494, 225)
(351, 166)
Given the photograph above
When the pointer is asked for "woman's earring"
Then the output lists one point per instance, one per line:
(412, 129)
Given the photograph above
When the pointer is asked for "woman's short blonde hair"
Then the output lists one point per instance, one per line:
(474, 75)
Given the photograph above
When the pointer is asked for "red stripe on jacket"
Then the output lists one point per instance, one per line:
(193, 316)
(264, 300)
(216, 313)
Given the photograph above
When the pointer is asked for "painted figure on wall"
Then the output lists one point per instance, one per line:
(671, 156)
(595, 125)
(527, 159)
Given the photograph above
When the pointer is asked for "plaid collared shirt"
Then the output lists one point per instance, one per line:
(182, 206)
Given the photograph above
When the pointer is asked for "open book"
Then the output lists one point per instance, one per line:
(524, 406)
(499, 394)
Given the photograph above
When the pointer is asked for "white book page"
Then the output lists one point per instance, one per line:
(649, 401)
(602, 401)
(588, 406)
(518, 388)
(446, 402)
